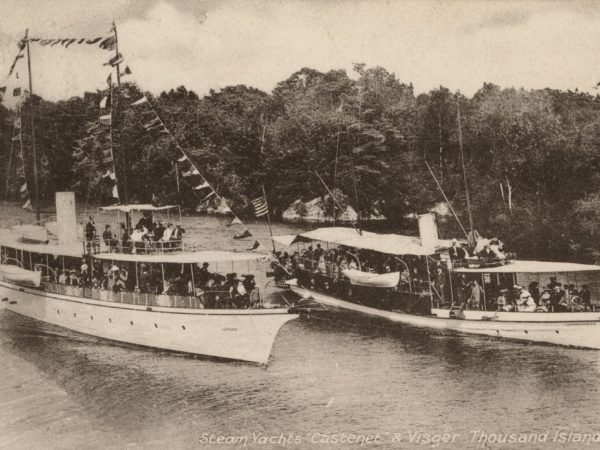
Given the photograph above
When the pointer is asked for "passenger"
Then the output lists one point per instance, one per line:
(158, 231)
(526, 302)
(487, 255)
(90, 235)
(456, 252)
(544, 302)
(204, 275)
(107, 237)
(496, 248)
(352, 264)
(586, 297)
(502, 301)
(167, 236)
(177, 236)
(318, 252)
(475, 295)
(62, 278)
(73, 278)
(534, 291)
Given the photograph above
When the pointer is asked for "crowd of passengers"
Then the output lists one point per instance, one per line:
(147, 236)
(322, 269)
(554, 297)
(213, 290)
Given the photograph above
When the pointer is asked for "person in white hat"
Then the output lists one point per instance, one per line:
(526, 302)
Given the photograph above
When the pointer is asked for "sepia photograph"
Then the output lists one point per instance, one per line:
(299, 224)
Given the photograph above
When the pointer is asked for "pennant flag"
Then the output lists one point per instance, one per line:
(12, 68)
(27, 205)
(115, 60)
(24, 187)
(140, 101)
(93, 41)
(201, 186)
(208, 196)
(191, 172)
(260, 206)
(152, 124)
(255, 246)
(110, 175)
(243, 235)
(115, 192)
(127, 71)
(236, 221)
(56, 41)
(104, 102)
(70, 41)
(108, 43)
(105, 119)
(45, 42)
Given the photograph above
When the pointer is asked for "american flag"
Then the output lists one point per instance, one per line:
(260, 207)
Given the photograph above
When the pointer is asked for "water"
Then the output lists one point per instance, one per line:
(60, 389)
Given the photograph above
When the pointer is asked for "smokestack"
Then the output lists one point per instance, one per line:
(428, 231)
(66, 218)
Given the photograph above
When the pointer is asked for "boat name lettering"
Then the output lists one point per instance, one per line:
(579, 324)
(229, 329)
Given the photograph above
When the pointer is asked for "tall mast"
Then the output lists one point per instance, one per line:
(36, 192)
(464, 170)
(124, 195)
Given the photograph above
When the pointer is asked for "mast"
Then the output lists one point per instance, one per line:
(464, 170)
(36, 192)
(123, 193)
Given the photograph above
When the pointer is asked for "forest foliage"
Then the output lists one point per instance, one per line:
(532, 156)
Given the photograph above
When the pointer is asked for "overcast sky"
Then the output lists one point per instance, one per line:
(206, 44)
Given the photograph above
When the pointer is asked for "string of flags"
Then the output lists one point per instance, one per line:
(189, 170)
(103, 42)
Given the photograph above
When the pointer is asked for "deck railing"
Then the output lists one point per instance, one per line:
(144, 247)
(146, 299)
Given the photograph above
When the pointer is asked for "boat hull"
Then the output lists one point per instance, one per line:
(568, 329)
(245, 335)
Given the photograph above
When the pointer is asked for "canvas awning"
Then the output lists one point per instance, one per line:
(392, 244)
(176, 257)
(140, 207)
(533, 267)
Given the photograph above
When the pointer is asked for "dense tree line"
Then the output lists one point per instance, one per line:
(532, 156)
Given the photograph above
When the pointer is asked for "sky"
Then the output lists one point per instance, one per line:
(208, 44)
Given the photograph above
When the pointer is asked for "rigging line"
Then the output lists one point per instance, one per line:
(335, 199)
(337, 150)
(446, 198)
(12, 146)
(196, 168)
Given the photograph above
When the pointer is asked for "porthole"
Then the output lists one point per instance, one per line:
(556, 331)
(131, 322)
(183, 327)
(109, 320)
(526, 332)
(91, 317)
(498, 331)
(57, 311)
(74, 314)
(155, 326)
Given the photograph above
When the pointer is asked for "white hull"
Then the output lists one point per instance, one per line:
(245, 335)
(570, 329)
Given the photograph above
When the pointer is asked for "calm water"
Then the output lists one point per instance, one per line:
(60, 389)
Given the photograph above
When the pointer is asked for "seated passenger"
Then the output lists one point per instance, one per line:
(526, 302)
(585, 295)
(544, 302)
(62, 278)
